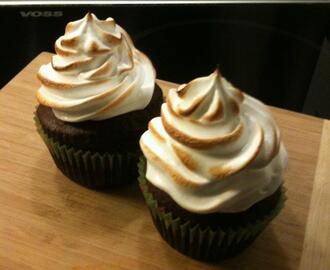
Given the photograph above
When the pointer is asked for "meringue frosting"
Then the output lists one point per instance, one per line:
(96, 74)
(214, 148)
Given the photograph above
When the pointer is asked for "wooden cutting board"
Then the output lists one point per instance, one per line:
(49, 222)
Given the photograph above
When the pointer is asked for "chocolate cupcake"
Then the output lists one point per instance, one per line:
(96, 97)
(214, 168)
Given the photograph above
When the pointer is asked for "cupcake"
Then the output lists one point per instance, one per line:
(212, 168)
(96, 97)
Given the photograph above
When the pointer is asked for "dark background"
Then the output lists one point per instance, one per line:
(278, 53)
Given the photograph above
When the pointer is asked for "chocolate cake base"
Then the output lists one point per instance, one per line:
(207, 237)
(97, 154)
(224, 220)
(117, 134)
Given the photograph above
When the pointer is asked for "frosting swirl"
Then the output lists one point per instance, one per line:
(214, 149)
(96, 74)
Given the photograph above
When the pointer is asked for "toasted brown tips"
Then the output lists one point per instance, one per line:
(200, 143)
(166, 87)
(69, 27)
(64, 68)
(216, 114)
(102, 70)
(238, 94)
(109, 21)
(111, 39)
(234, 106)
(154, 132)
(69, 42)
(52, 84)
(192, 107)
(117, 100)
(219, 172)
(130, 63)
(183, 89)
(170, 107)
(94, 48)
(185, 158)
(71, 65)
(41, 99)
(89, 16)
(169, 170)
(64, 52)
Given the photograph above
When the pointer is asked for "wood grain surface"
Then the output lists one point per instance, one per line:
(49, 222)
(316, 248)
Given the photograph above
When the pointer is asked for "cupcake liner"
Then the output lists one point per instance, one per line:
(91, 169)
(200, 242)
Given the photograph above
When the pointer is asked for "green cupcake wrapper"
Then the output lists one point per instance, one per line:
(200, 242)
(91, 169)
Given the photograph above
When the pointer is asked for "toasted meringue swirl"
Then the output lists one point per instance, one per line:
(96, 74)
(214, 149)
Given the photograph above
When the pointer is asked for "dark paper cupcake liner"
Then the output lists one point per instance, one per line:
(200, 242)
(91, 169)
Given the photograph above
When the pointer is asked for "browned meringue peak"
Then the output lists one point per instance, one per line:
(205, 103)
(75, 33)
(90, 44)
(199, 142)
(210, 157)
(90, 52)
(205, 99)
(97, 74)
